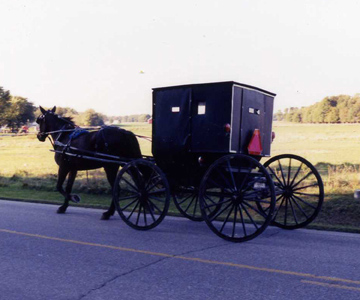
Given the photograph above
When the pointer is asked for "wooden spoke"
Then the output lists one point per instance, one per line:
(303, 192)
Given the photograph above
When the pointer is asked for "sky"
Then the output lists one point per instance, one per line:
(109, 54)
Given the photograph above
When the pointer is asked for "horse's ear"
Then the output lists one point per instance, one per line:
(53, 109)
(43, 111)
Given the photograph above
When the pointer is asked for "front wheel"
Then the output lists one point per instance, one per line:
(237, 198)
(299, 190)
(141, 194)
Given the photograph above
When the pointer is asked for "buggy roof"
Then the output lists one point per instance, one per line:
(246, 86)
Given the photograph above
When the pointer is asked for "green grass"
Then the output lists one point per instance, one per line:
(88, 200)
(328, 143)
(28, 170)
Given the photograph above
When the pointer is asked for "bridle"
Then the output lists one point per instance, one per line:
(63, 129)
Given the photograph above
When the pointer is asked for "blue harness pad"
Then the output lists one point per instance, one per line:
(76, 133)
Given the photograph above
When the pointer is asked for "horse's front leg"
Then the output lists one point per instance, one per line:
(66, 193)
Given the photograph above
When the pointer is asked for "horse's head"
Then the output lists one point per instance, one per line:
(46, 121)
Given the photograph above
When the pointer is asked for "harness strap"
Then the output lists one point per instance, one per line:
(144, 137)
(51, 141)
(77, 132)
(103, 136)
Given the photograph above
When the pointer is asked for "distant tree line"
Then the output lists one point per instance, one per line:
(15, 111)
(132, 118)
(92, 118)
(18, 111)
(334, 109)
(87, 118)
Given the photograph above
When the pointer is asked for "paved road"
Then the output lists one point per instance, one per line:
(76, 256)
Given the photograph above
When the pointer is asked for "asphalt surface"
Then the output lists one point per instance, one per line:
(44, 255)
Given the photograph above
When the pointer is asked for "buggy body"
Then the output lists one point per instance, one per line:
(193, 125)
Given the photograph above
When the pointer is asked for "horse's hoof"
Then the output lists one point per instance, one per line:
(105, 216)
(61, 210)
(75, 198)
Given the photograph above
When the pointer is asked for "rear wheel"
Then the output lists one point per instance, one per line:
(299, 190)
(141, 194)
(186, 200)
(231, 192)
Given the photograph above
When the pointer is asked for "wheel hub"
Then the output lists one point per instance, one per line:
(288, 191)
(238, 198)
(143, 197)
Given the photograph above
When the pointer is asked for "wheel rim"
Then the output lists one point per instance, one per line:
(299, 190)
(141, 195)
(230, 195)
(186, 200)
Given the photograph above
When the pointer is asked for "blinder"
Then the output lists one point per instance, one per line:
(40, 118)
(41, 134)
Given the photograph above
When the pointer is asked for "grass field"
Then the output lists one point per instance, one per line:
(28, 170)
(320, 143)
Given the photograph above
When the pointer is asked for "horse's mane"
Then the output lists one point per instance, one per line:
(68, 120)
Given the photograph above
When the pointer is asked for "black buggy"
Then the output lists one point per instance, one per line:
(208, 140)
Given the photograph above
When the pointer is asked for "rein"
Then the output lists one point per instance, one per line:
(61, 131)
(149, 139)
(68, 130)
(92, 129)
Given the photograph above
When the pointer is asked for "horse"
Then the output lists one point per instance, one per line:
(66, 135)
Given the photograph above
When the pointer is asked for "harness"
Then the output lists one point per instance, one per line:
(102, 138)
(66, 147)
(74, 134)
(77, 132)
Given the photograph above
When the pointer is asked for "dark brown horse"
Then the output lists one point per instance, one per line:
(67, 136)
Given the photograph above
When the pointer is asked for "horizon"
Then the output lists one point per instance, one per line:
(150, 113)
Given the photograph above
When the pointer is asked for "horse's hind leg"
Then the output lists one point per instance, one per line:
(61, 178)
(111, 173)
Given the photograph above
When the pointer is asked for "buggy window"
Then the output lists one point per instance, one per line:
(175, 109)
(201, 108)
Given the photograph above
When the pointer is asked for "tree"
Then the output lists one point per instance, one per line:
(61, 111)
(66, 112)
(321, 110)
(20, 112)
(92, 118)
(296, 117)
(143, 118)
(333, 116)
(279, 116)
(306, 113)
(343, 105)
(4, 104)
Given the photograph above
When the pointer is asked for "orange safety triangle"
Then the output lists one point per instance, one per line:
(255, 147)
